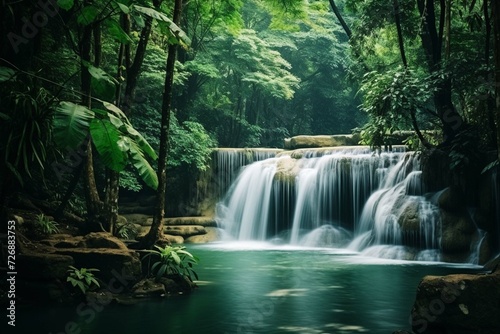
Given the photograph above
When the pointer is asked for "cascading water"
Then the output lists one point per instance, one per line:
(370, 203)
(229, 162)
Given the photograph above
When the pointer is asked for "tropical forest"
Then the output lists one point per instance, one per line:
(250, 166)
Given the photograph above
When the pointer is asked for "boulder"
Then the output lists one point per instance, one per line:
(461, 303)
(320, 141)
(148, 288)
(213, 234)
(39, 266)
(409, 220)
(451, 199)
(177, 284)
(167, 239)
(287, 168)
(102, 240)
(184, 230)
(458, 232)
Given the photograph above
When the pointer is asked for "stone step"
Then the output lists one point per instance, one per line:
(145, 220)
(184, 231)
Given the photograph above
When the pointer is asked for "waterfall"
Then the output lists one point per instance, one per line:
(229, 162)
(344, 197)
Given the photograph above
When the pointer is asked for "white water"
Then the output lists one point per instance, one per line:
(368, 203)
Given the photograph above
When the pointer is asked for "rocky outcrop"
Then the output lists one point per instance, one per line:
(320, 141)
(213, 234)
(458, 232)
(460, 303)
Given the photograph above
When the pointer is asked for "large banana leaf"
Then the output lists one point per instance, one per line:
(146, 172)
(71, 124)
(109, 143)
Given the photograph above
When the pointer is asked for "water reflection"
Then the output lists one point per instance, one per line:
(267, 291)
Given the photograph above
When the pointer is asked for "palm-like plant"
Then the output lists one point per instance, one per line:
(173, 260)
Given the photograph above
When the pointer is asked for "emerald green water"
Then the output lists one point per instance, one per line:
(259, 289)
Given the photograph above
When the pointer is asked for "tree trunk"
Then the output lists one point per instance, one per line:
(91, 194)
(400, 32)
(157, 227)
(496, 29)
(432, 43)
(340, 18)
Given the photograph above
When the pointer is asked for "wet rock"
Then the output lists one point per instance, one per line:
(177, 284)
(452, 199)
(458, 232)
(213, 234)
(409, 219)
(460, 303)
(148, 288)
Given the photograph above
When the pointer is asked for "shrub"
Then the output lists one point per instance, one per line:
(172, 260)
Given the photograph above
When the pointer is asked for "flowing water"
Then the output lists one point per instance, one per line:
(347, 197)
(261, 288)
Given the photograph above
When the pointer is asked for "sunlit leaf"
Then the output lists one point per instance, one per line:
(106, 138)
(71, 124)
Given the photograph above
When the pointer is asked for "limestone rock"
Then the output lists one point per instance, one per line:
(287, 169)
(124, 262)
(452, 199)
(458, 232)
(43, 266)
(102, 240)
(148, 288)
(320, 141)
(213, 234)
(167, 239)
(185, 230)
(177, 284)
(460, 303)
(202, 221)
(409, 219)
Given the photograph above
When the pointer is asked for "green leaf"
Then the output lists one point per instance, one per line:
(176, 257)
(71, 124)
(106, 137)
(87, 15)
(123, 8)
(116, 111)
(65, 4)
(174, 29)
(146, 172)
(117, 32)
(141, 141)
(102, 83)
(6, 73)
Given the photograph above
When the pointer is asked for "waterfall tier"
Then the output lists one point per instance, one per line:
(344, 197)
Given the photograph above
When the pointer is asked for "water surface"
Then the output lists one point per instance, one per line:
(257, 288)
